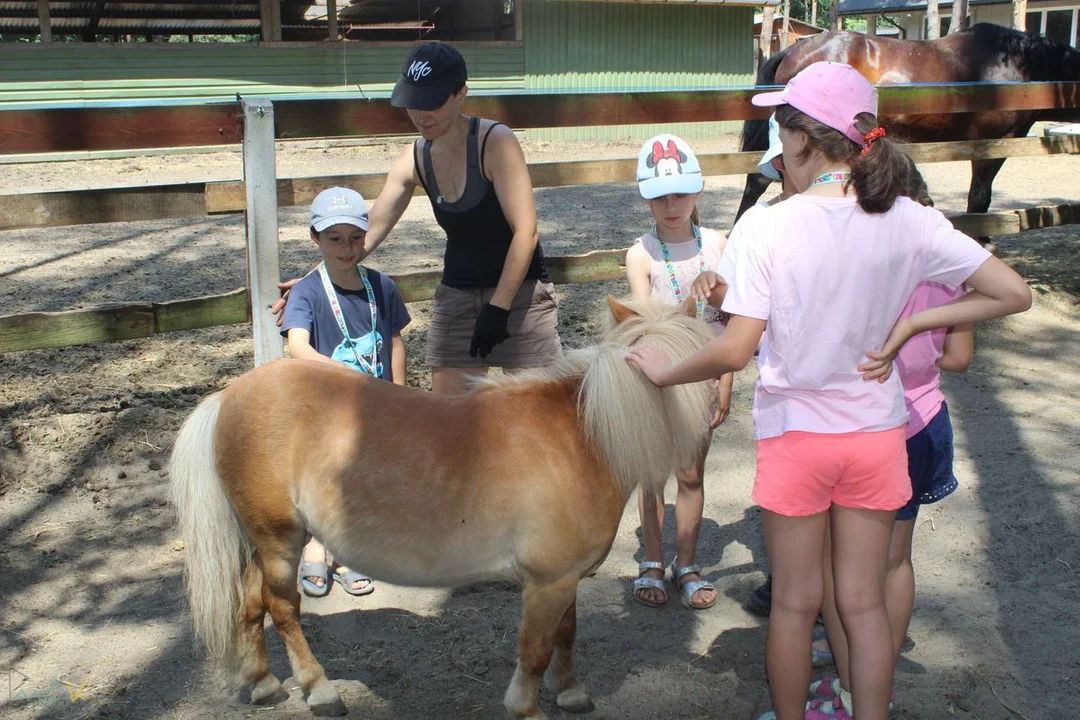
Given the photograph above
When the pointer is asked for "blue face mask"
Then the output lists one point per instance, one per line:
(355, 351)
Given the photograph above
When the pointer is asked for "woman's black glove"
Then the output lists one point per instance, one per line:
(490, 330)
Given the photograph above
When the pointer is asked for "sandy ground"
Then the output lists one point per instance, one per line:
(90, 590)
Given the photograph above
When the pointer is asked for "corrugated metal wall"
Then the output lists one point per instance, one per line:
(573, 46)
(65, 72)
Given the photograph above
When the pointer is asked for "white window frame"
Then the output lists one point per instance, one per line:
(1042, 19)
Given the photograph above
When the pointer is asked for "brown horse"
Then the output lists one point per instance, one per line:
(524, 479)
(982, 53)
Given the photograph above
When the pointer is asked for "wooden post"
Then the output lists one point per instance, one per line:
(44, 23)
(331, 20)
(1019, 19)
(260, 182)
(265, 21)
(933, 20)
(519, 21)
(275, 20)
(765, 40)
(834, 15)
(871, 25)
(959, 16)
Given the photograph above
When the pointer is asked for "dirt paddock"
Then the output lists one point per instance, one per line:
(91, 614)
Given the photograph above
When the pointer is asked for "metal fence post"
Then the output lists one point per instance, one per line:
(260, 183)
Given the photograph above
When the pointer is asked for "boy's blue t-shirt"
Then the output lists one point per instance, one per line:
(309, 309)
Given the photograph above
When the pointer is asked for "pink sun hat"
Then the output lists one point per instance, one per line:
(831, 93)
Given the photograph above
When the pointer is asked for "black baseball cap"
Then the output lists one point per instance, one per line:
(432, 73)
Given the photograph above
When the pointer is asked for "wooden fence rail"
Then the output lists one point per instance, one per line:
(127, 127)
(128, 321)
(76, 207)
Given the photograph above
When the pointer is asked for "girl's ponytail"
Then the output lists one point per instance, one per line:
(880, 171)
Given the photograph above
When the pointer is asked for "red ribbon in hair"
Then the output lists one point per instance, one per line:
(875, 134)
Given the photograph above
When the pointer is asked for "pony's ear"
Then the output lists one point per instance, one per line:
(689, 306)
(619, 311)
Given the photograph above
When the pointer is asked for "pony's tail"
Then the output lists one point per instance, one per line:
(755, 134)
(216, 548)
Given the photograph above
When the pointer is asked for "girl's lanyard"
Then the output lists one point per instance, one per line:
(370, 367)
(829, 178)
(670, 266)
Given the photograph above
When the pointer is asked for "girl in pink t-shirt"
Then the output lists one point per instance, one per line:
(830, 270)
(663, 265)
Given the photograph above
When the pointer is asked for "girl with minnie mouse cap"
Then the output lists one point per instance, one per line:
(830, 270)
(662, 265)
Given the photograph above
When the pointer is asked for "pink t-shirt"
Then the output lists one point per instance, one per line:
(831, 280)
(687, 266)
(916, 362)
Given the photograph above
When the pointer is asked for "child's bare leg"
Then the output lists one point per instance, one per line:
(834, 629)
(454, 381)
(900, 582)
(689, 507)
(860, 546)
(795, 546)
(315, 552)
(651, 511)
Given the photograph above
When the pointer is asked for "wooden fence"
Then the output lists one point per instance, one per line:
(257, 123)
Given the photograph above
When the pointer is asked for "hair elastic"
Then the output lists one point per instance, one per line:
(875, 134)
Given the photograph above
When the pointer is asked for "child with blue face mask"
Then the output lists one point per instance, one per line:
(344, 313)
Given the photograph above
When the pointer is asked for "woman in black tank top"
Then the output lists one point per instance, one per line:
(495, 306)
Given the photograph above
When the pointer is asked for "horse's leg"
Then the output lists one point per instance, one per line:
(282, 599)
(251, 645)
(560, 678)
(756, 185)
(544, 608)
(983, 173)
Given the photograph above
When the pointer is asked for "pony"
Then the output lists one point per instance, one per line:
(982, 53)
(525, 478)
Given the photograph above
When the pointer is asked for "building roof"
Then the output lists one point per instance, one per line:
(792, 22)
(872, 7)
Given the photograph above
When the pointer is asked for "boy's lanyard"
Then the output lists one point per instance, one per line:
(675, 287)
(370, 367)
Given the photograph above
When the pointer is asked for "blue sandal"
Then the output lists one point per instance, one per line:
(314, 569)
(687, 590)
(349, 577)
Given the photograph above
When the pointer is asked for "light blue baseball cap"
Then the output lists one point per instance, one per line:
(338, 206)
(667, 166)
(765, 166)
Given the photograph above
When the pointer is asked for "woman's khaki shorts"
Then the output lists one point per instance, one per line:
(533, 326)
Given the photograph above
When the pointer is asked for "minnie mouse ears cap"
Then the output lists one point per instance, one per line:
(667, 166)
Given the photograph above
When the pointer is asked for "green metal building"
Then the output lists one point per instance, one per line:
(557, 46)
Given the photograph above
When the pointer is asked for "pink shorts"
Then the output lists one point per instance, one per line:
(803, 473)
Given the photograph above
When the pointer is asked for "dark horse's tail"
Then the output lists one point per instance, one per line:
(755, 137)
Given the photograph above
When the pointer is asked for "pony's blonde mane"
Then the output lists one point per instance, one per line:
(641, 432)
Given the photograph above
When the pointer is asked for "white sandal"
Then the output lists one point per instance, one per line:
(648, 582)
(687, 591)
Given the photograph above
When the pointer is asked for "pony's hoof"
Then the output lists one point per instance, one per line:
(268, 691)
(575, 700)
(324, 701)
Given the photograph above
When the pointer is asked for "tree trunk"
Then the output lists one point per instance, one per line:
(813, 12)
(834, 14)
(1019, 21)
(784, 24)
(933, 20)
(765, 41)
(959, 16)
(871, 25)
